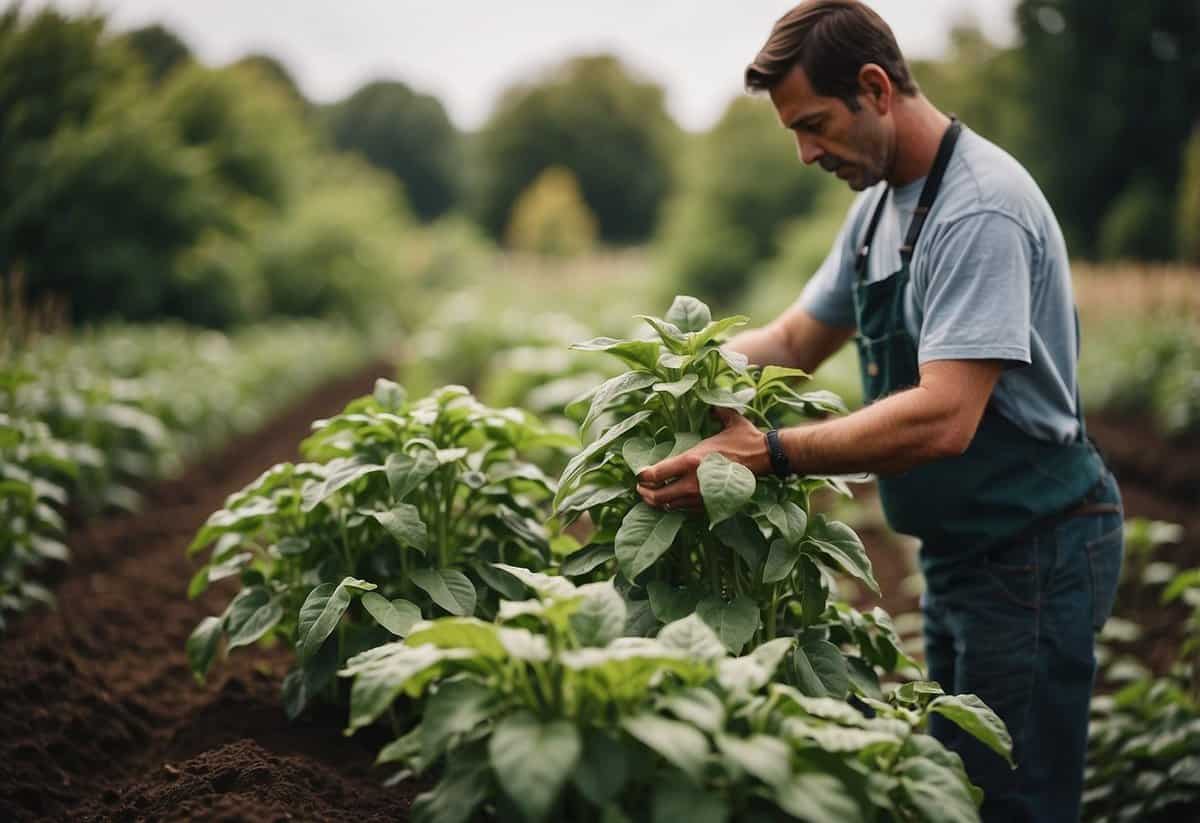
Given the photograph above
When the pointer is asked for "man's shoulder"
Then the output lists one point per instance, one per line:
(984, 178)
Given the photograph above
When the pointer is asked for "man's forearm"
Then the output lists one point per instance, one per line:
(887, 437)
(765, 346)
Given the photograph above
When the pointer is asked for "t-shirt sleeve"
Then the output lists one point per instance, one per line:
(976, 303)
(829, 293)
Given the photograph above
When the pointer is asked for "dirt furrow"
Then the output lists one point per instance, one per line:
(101, 718)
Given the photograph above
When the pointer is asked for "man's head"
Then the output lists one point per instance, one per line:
(835, 73)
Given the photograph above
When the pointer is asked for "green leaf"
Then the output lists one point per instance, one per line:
(1181, 583)
(678, 800)
(308, 679)
(504, 583)
(683, 442)
(813, 594)
(863, 679)
(670, 603)
(251, 615)
(404, 523)
(321, 612)
(821, 670)
(545, 585)
(587, 559)
(678, 388)
(292, 546)
(742, 534)
(390, 395)
(580, 461)
(688, 313)
(974, 717)
(734, 623)
(532, 760)
(644, 536)
(467, 782)
(790, 520)
(614, 388)
(762, 756)
(383, 672)
(670, 360)
(697, 706)
(937, 793)
(716, 329)
(405, 473)
(680, 744)
(201, 646)
(635, 353)
(774, 374)
(670, 334)
(780, 561)
(448, 588)
(815, 796)
(725, 486)
(721, 397)
(397, 616)
(640, 452)
(603, 768)
(600, 616)
(341, 474)
(693, 636)
(456, 708)
(839, 542)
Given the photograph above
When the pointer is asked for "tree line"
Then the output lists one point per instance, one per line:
(142, 183)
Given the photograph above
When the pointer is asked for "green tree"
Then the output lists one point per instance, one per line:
(984, 85)
(551, 218)
(744, 182)
(1188, 220)
(593, 117)
(407, 134)
(97, 196)
(1114, 90)
(159, 48)
(274, 71)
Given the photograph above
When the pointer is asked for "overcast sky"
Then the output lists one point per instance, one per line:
(466, 51)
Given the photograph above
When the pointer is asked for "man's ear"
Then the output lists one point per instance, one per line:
(875, 88)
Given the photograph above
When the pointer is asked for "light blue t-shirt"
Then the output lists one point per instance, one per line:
(989, 279)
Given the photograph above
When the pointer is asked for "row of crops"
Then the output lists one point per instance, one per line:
(542, 645)
(86, 419)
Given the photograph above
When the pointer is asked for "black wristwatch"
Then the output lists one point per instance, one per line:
(779, 459)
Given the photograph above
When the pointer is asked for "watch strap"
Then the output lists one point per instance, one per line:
(780, 464)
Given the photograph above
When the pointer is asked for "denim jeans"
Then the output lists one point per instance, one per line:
(1016, 627)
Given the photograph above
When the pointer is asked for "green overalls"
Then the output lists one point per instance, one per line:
(1007, 480)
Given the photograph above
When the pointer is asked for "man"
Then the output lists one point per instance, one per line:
(953, 271)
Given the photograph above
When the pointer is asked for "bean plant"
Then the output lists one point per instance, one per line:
(758, 563)
(549, 713)
(419, 497)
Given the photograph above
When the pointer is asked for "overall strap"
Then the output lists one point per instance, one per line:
(929, 191)
(864, 251)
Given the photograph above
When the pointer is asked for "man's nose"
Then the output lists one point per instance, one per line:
(809, 151)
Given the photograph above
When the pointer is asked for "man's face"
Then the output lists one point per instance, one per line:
(857, 146)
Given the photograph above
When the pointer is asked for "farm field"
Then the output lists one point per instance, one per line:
(393, 424)
(105, 720)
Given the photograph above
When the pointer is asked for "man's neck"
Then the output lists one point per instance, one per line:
(919, 130)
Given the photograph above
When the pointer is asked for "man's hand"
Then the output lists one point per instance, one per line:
(672, 484)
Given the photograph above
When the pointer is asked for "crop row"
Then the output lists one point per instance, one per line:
(85, 419)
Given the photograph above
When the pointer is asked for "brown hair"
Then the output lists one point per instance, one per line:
(832, 40)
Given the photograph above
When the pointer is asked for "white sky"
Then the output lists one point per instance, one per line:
(466, 51)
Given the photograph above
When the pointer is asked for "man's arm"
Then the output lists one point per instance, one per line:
(935, 419)
(795, 339)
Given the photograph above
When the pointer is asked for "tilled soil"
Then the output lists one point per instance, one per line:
(100, 718)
